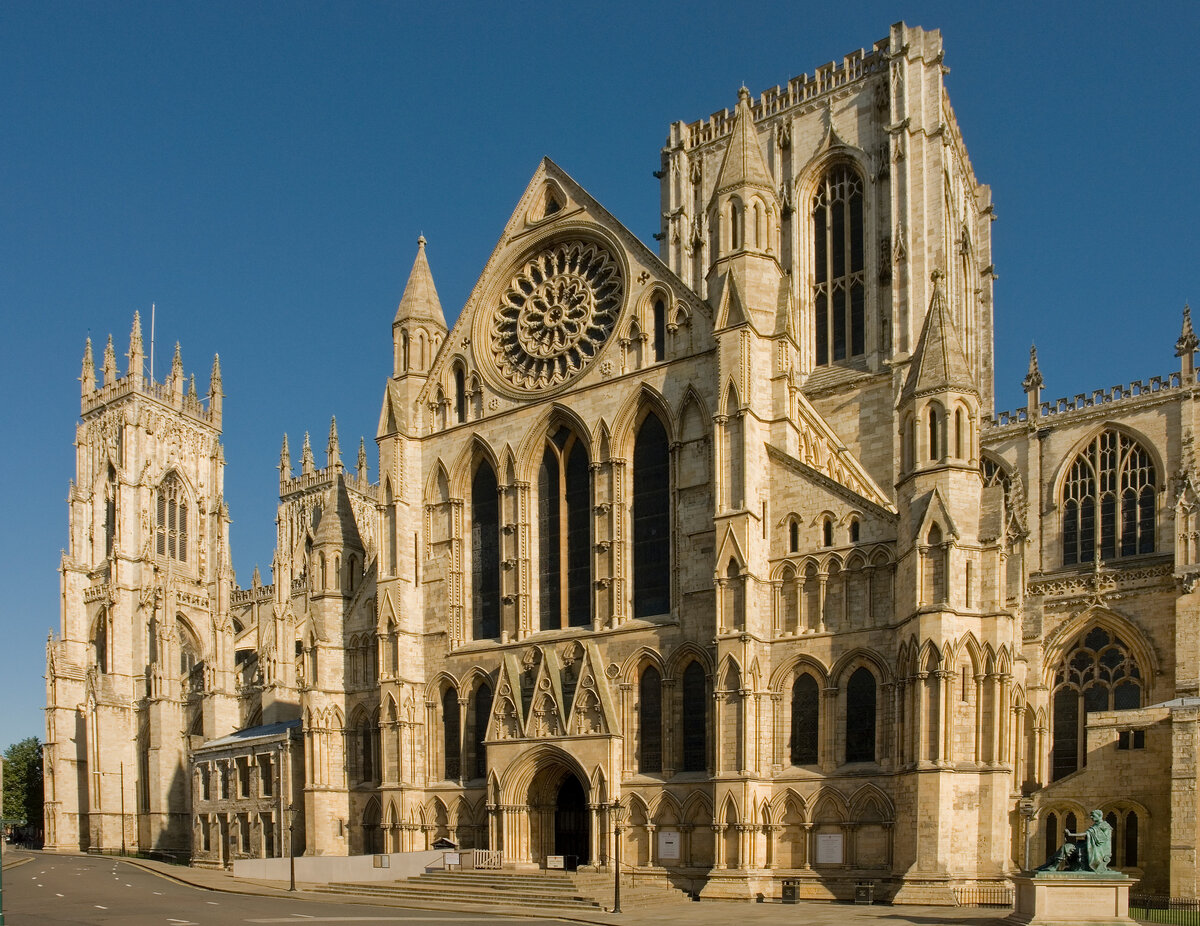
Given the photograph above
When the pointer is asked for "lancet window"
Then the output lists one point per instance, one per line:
(860, 716)
(110, 511)
(485, 553)
(1108, 501)
(451, 741)
(839, 277)
(1098, 673)
(805, 720)
(483, 714)
(650, 720)
(651, 520)
(695, 719)
(564, 532)
(171, 520)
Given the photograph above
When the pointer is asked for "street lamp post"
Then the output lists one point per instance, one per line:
(291, 849)
(618, 814)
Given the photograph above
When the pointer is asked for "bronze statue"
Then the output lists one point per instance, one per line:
(1094, 855)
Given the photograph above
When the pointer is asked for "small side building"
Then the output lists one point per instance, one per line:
(244, 786)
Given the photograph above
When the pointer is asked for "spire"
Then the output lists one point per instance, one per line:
(362, 460)
(176, 380)
(285, 461)
(938, 363)
(1185, 347)
(338, 526)
(214, 390)
(256, 579)
(191, 387)
(333, 450)
(1033, 384)
(136, 351)
(110, 363)
(87, 378)
(744, 164)
(306, 456)
(420, 299)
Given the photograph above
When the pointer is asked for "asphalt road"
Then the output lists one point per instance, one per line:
(50, 891)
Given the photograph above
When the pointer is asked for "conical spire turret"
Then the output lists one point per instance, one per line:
(1185, 347)
(938, 364)
(361, 472)
(420, 300)
(744, 164)
(333, 449)
(110, 363)
(420, 324)
(307, 465)
(87, 378)
(137, 352)
(285, 461)
(214, 390)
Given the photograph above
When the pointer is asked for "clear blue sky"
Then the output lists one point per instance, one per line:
(262, 171)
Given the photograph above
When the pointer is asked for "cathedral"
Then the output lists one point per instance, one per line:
(722, 540)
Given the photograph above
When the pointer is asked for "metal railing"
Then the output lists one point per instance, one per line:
(1162, 908)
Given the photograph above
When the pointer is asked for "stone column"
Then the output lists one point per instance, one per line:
(772, 831)
(979, 735)
(829, 757)
(718, 845)
(668, 728)
(627, 751)
(919, 694)
(810, 842)
(594, 831)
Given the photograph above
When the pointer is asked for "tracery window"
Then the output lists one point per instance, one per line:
(110, 511)
(460, 394)
(483, 714)
(485, 553)
(695, 719)
(1098, 673)
(805, 720)
(839, 278)
(451, 743)
(564, 534)
(860, 716)
(659, 312)
(650, 720)
(171, 520)
(1108, 501)
(651, 520)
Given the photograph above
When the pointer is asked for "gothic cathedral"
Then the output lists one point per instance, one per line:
(730, 533)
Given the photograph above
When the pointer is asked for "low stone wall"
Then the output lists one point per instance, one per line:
(329, 868)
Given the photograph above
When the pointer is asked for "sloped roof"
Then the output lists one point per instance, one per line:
(420, 299)
(338, 526)
(938, 364)
(744, 164)
(265, 731)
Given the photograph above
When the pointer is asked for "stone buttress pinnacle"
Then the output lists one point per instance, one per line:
(1188, 341)
(1033, 379)
(110, 363)
(307, 465)
(136, 349)
(333, 450)
(361, 472)
(87, 377)
(285, 461)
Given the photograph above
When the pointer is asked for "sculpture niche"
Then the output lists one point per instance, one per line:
(1093, 853)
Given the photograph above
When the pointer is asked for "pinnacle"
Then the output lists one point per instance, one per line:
(1188, 341)
(938, 363)
(420, 299)
(1033, 379)
(333, 450)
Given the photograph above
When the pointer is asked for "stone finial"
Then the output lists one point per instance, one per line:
(87, 378)
(256, 579)
(333, 449)
(1033, 383)
(285, 461)
(307, 465)
(1185, 347)
(137, 351)
(176, 381)
(191, 387)
(214, 390)
(110, 363)
(362, 460)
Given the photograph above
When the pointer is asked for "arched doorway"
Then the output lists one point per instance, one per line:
(571, 835)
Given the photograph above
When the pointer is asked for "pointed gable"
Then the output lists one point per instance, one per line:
(338, 526)
(420, 300)
(744, 164)
(938, 364)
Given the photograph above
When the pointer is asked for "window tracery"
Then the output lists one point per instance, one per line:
(650, 720)
(695, 719)
(805, 720)
(171, 520)
(1108, 501)
(839, 279)
(651, 520)
(564, 532)
(1098, 673)
(485, 553)
(860, 716)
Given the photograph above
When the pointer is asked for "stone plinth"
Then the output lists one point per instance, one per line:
(1072, 898)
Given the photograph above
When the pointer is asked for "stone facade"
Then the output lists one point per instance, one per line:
(730, 533)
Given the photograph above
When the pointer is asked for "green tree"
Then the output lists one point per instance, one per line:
(23, 793)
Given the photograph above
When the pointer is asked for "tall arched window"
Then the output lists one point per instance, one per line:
(695, 719)
(389, 528)
(485, 553)
(564, 532)
(839, 278)
(805, 720)
(651, 520)
(936, 451)
(366, 750)
(1108, 501)
(483, 714)
(650, 720)
(460, 394)
(1098, 673)
(100, 643)
(451, 741)
(171, 520)
(860, 716)
(659, 312)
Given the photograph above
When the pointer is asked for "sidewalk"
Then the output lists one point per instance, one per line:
(711, 913)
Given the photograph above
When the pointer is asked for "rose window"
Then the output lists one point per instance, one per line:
(556, 313)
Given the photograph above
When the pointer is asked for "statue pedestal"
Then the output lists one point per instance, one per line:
(1072, 898)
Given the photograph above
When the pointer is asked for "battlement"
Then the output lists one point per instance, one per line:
(1138, 389)
(129, 384)
(323, 478)
(253, 595)
(805, 88)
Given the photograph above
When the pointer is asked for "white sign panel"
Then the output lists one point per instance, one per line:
(668, 844)
(554, 861)
(829, 849)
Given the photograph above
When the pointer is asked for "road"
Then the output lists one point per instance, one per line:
(58, 890)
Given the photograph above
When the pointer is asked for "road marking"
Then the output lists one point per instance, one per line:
(364, 919)
(98, 907)
(158, 893)
(213, 903)
(58, 895)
